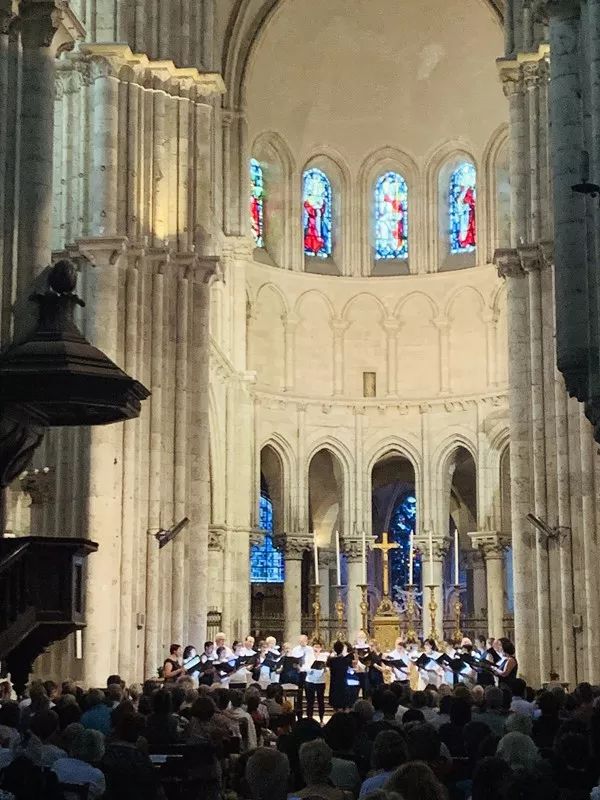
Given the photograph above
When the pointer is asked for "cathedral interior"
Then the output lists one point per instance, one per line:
(351, 251)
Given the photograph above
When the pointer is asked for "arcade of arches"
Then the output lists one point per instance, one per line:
(321, 234)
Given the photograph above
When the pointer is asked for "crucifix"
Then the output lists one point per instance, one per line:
(385, 546)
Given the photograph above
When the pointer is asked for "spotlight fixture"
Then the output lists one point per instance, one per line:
(585, 186)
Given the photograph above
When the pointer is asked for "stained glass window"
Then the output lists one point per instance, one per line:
(391, 216)
(316, 214)
(266, 560)
(462, 203)
(257, 203)
(402, 522)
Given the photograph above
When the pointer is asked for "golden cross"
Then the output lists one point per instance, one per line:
(385, 546)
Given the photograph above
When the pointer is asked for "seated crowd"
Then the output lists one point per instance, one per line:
(436, 744)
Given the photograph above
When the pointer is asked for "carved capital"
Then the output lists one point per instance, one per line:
(294, 546)
(511, 77)
(48, 23)
(102, 251)
(352, 548)
(256, 538)
(441, 546)
(530, 256)
(6, 16)
(490, 543)
(560, 9)
(339, 326)
(547, 254)
(531, 74)
(216, 540)
(38, 484)
(508, 263)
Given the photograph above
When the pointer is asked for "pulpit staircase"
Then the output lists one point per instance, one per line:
(42, 583)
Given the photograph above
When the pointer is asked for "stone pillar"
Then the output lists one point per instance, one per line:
(339, 328)
(102, 459)
(290, 323)
(492, 546)
(39, 24)
(326, 559)
(202, 273)
(352, 549)
(443, 326)
(216, 548)
(294, 548)
(525, 586)
(433, 574)
(392, 328)
(514, 89)
(566, 142)
(476, 563)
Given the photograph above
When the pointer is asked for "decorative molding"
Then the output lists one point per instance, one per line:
(352, 548)
(441, 547)
(509, 263)
(39, 485)
(294, 546)
(492, 544)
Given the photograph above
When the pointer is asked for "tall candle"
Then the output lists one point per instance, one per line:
(456, 575)
(338, 563)
(411, 558)
(316, 552)
(431, 557)
(364, 557)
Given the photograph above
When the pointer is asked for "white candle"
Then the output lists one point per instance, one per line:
(411, 556)
(338, 563)
(430, 557)
(364, 555)
(456, 575)
(316, 552)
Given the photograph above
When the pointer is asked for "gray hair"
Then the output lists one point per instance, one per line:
(315, 761)
(267, 774)
(519, 723)
(88, 746)
(518, 750)
(494, 698)
(364, 710)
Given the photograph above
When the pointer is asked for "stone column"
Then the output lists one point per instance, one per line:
(476, 563)
(493, 546)
(339, 328)
(290, 323)
(566, 142)
(433, 576)
(392, 328)
(39, 24)
(294, 548)
(202, 273)
(216, 548)
(514, 89)
(326, 559)
(102, 459)
(443, 326)
(352, 549)
(525, 586)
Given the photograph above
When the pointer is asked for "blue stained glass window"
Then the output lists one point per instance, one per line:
(462, 207)
(257, 203)
(317, 213)
(266, 560)
(402, 523)
(391, 217)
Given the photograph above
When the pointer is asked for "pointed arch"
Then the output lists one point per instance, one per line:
(497, 189)
(340, 451)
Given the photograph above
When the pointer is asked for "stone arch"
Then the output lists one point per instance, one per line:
(327, 481)
(314, 344)
(418, 343)
(346, 461)
(266, 337)
(279, 173)
(497, 187)
(365, 343)
(335, 166)
(428, 299)
(467, 331)
(374, 165)
(438, 168)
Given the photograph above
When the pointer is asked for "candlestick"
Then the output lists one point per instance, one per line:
(316, 606)
(364, 606)
(432, 606)
(456, 576)
(411, 558)
(337, 558)
(316, 554)
(339, 613)
(411, 634)
(431, 557)
(364, 556)
(458, 634)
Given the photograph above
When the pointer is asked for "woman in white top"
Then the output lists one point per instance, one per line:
(239, 678)
(314, 685)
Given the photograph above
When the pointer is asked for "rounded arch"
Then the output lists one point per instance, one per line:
(248, 20)
(380, 161)
(439, 165)
(494, 152)
(463, 290)
(313, 293)
(355, 298)
(286, 459)
(272, 287)
(279, 172)
(497, 299)
(335, 167)
(435, 310)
